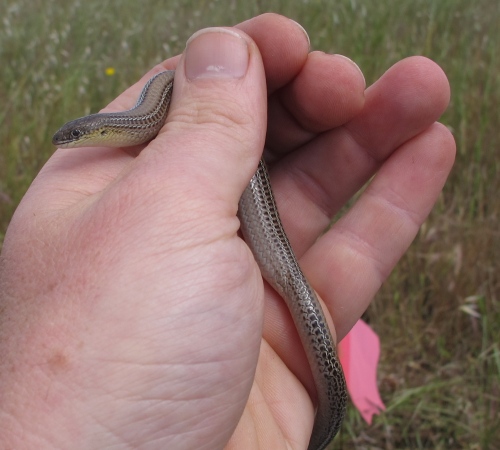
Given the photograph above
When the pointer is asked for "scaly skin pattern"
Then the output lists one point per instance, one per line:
(263, 232)
(122, 129)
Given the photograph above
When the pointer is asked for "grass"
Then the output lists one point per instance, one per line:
(438, 315)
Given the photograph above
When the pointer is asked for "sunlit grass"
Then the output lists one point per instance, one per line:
(439, 314)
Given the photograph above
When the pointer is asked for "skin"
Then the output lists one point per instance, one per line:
(132, 313)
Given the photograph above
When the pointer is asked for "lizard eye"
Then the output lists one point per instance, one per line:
(75, 133)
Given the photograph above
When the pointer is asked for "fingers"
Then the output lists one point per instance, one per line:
(326, 93)
(363, 247)
(312, 184)
(348, 264)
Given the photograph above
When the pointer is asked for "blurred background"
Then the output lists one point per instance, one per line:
(438, 315)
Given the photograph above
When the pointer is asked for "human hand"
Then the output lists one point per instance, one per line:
(132, 312)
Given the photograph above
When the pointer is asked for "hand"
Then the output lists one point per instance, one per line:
(132, 312)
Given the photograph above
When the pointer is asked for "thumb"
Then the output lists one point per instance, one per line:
(216, 126)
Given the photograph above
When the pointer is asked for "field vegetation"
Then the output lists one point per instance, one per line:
(438, 316)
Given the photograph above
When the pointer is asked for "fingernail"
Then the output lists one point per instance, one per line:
(216, 53)
(354, 64)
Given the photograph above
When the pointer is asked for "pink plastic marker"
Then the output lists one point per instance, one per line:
(359, 352)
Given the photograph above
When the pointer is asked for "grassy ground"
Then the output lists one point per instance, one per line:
(439, 314)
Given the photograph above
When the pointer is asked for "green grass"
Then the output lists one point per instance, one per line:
(438, 316)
